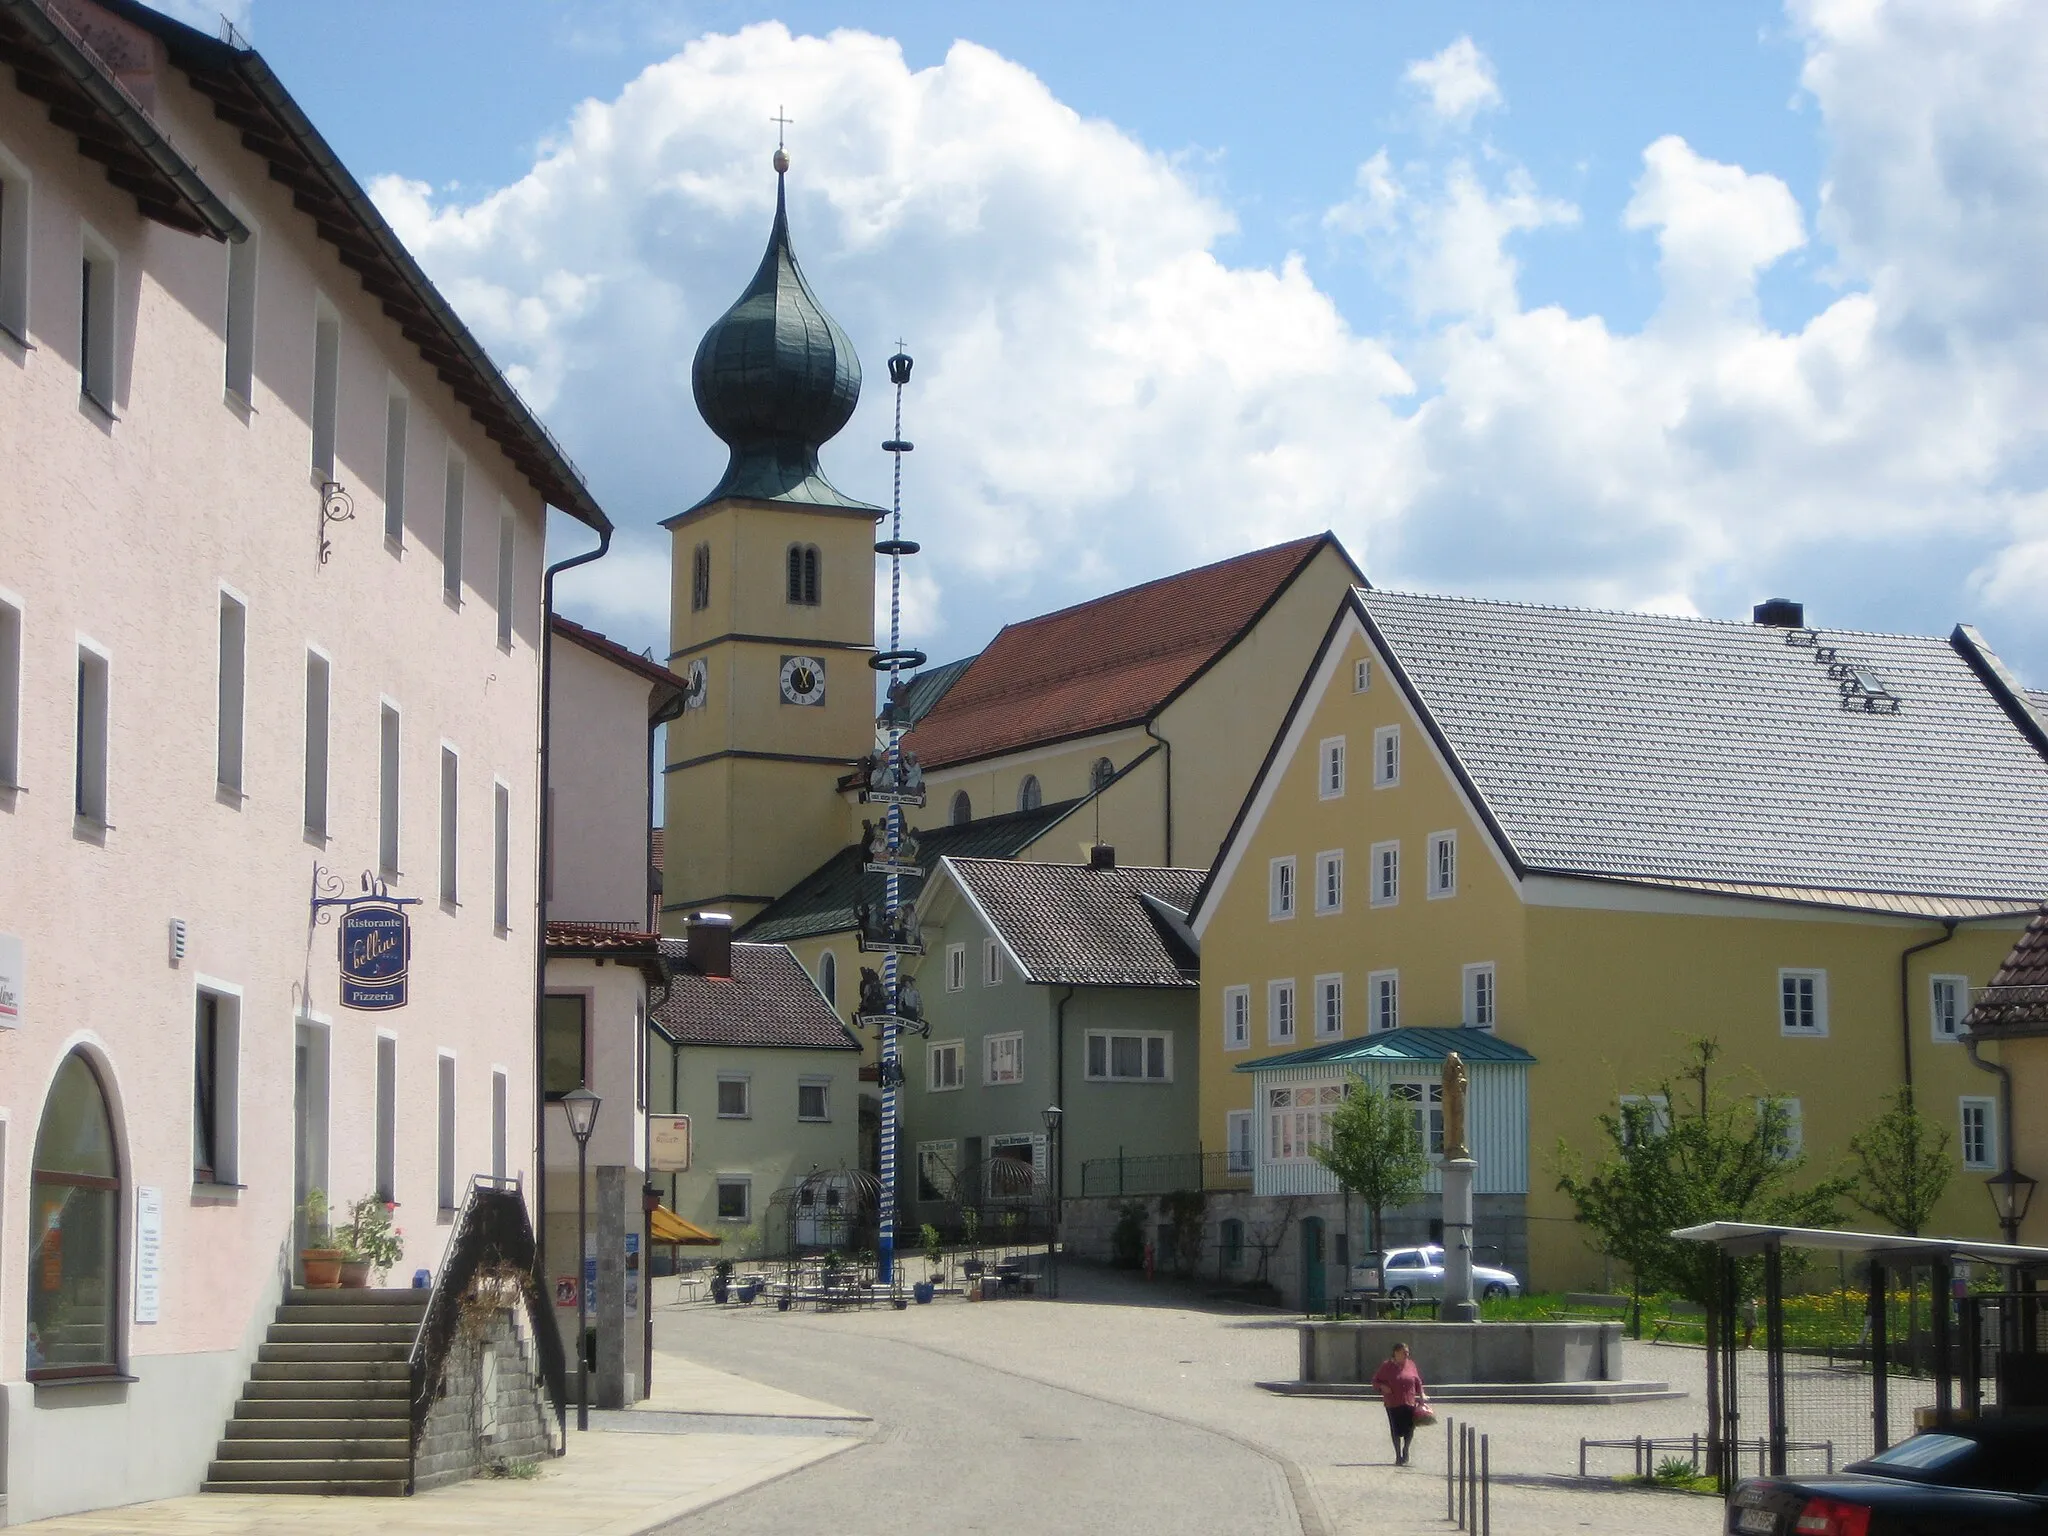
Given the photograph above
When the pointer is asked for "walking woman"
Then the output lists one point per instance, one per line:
(1400, 1388)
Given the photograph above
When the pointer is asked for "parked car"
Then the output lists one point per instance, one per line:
(1984, 1478)
(1411, 1272)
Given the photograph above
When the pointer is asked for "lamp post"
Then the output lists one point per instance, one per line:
(1051, 1115)
(2011, 1192)
(580, 1104)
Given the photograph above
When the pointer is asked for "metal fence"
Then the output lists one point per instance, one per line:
(1165, 1174)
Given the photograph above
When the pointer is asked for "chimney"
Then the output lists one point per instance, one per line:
(1780, 613)
(1102, 856)
(710, 938)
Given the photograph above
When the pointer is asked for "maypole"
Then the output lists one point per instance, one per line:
(893, 779)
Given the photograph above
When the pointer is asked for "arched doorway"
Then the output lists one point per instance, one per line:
(74, 1245)
(1313, 1296)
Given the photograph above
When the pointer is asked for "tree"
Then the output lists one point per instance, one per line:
(1708, 1156)
(1374, 1150)
(1902, 1165)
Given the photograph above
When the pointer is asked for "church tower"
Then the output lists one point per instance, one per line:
(772, 613)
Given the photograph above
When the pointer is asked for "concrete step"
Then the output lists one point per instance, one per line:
(310, 1470)
(333, 1354)
(343, 1450)
(380, 1296)
(293, 1331)
(407, 1313)
(371, 1487)
(321, 1400)
(340, 1426)
(329, 1372)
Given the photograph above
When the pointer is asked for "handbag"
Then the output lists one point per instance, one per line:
(1424, 1415)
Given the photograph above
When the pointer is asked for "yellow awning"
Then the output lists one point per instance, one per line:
(668, 1227)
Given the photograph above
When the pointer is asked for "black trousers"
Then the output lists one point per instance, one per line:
(1401, 1425)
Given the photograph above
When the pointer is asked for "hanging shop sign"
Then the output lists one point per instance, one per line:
(374, 941)
(668, 1143)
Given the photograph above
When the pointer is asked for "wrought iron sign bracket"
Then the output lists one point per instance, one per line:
(336, 506)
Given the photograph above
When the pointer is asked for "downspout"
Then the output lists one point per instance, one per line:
(1059, 1097)
(540, 899)
(1168, 859)
(2005, 1129)
(1948, 927)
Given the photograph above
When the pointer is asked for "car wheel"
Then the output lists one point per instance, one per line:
(1494, 1291)
(1402, 1294)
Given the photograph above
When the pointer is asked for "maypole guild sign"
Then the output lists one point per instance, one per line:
(376, 947)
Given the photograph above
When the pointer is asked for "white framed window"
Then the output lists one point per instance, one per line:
(453, 495)
(943, 1065)
(1386, 757)
(1949, 1004)
(1329, 1007)
(389, 723)
(319, 681)
(1237, 1018)
(508, 575)
(1297, 1120)
(1658, 1109)
(1330, 781)
(1425, 1101)
(1479, 995)
(1280, 1013)
(386, 1126)
(1361, 675)
(814, 1100)
(1802, 1002)
(444, 1159)
(240, 316)
(1119, 1056)
(397, 422)
(451, 806)
(936, 1165)
(94, 713)
(216, 1085)
(326, 386)
(15, 192)
(231, 691)
(1384, 987)
(98, 306)
(1443, 865)
(501, 855)
(1280, 888)
(735, 1197)
(956, 967)
(1386, 874)
(1002, 1059)
(735, 1096)
(1237, 1139)
(1329, 882)
(1979, 1142)
(991, 963)
(1794, 1142)
(10, 690)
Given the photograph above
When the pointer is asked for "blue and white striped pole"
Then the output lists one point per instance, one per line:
(891, 1073)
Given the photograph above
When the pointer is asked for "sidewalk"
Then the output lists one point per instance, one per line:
(704, 1436)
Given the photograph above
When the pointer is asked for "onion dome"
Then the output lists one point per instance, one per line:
(776, 378)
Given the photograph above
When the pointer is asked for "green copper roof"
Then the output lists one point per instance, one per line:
(1399, 1045)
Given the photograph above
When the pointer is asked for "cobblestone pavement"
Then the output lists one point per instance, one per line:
(1114, 1347)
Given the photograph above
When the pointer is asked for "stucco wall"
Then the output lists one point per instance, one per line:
(598, 764)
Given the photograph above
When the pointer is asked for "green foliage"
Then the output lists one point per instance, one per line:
(369, 1234)
(1722, 1157)
(319, 1234)
(1902, 1165)
(934, 1249)
(1375, 1152)
(970, 1227)
(1127, 1240)
(1185, 1209)
(1676, 1469)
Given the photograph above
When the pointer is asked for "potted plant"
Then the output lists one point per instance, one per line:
(934, 1255)
(721, 1280)
(368, 1241)
(320, 1259)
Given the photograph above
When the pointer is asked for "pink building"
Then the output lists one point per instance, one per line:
(216, 702)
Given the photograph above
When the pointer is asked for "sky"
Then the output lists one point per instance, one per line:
(1673, 307)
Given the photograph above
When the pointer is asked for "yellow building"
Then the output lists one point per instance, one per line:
(1601, 835)
(2008, 1031)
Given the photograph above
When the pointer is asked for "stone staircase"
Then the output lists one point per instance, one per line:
(328, 1406)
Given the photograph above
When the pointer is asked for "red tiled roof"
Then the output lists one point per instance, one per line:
(2016, 1002)
(599, 938)
(612, 651)
(1114, 661)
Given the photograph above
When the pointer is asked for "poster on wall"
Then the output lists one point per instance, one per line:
(668, 1143)
(12, 983)
(149, 1251)
(565, 1290)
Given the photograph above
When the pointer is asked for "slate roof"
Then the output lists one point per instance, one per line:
(2016, 1002)
(769, 1000)
(1115, 661)
(1399, 1045)
(1068, 924)
(824, 900)
(923, 692)
(1708, 753)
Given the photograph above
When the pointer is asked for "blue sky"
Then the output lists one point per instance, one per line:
(1674, 306)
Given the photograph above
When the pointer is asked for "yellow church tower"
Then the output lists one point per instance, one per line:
(772, 614)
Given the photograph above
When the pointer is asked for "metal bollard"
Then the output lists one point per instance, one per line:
(1450, 1468)
(1485, 1485)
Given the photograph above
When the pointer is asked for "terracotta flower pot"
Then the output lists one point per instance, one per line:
(323, 1268)
(355, 1274)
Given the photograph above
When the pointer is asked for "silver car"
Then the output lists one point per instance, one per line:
(1413, 1272)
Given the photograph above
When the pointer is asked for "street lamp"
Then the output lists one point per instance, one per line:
(1051, 1116)
(580, 1105)
(2011, 1192)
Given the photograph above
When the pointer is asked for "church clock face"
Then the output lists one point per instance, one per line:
(695, 680)
(803, 680)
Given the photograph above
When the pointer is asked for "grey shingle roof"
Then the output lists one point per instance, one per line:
(1069, 924)
(824, 900)
(768, 1001)
(1398, 1045)
(1638, 746)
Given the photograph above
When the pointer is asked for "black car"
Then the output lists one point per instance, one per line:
(1988, 1478)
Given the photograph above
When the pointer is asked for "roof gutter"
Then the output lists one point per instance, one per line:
(1906, 996)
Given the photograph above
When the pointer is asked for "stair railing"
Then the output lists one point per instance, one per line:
(491, 1245)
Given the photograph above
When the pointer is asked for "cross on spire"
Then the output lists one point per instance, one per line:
(780, 123)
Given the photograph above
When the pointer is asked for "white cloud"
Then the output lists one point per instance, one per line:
(1459, 82)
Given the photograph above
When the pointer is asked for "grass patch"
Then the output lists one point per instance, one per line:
(517, 1471)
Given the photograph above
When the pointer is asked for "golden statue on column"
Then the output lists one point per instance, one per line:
(1456, 1081)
